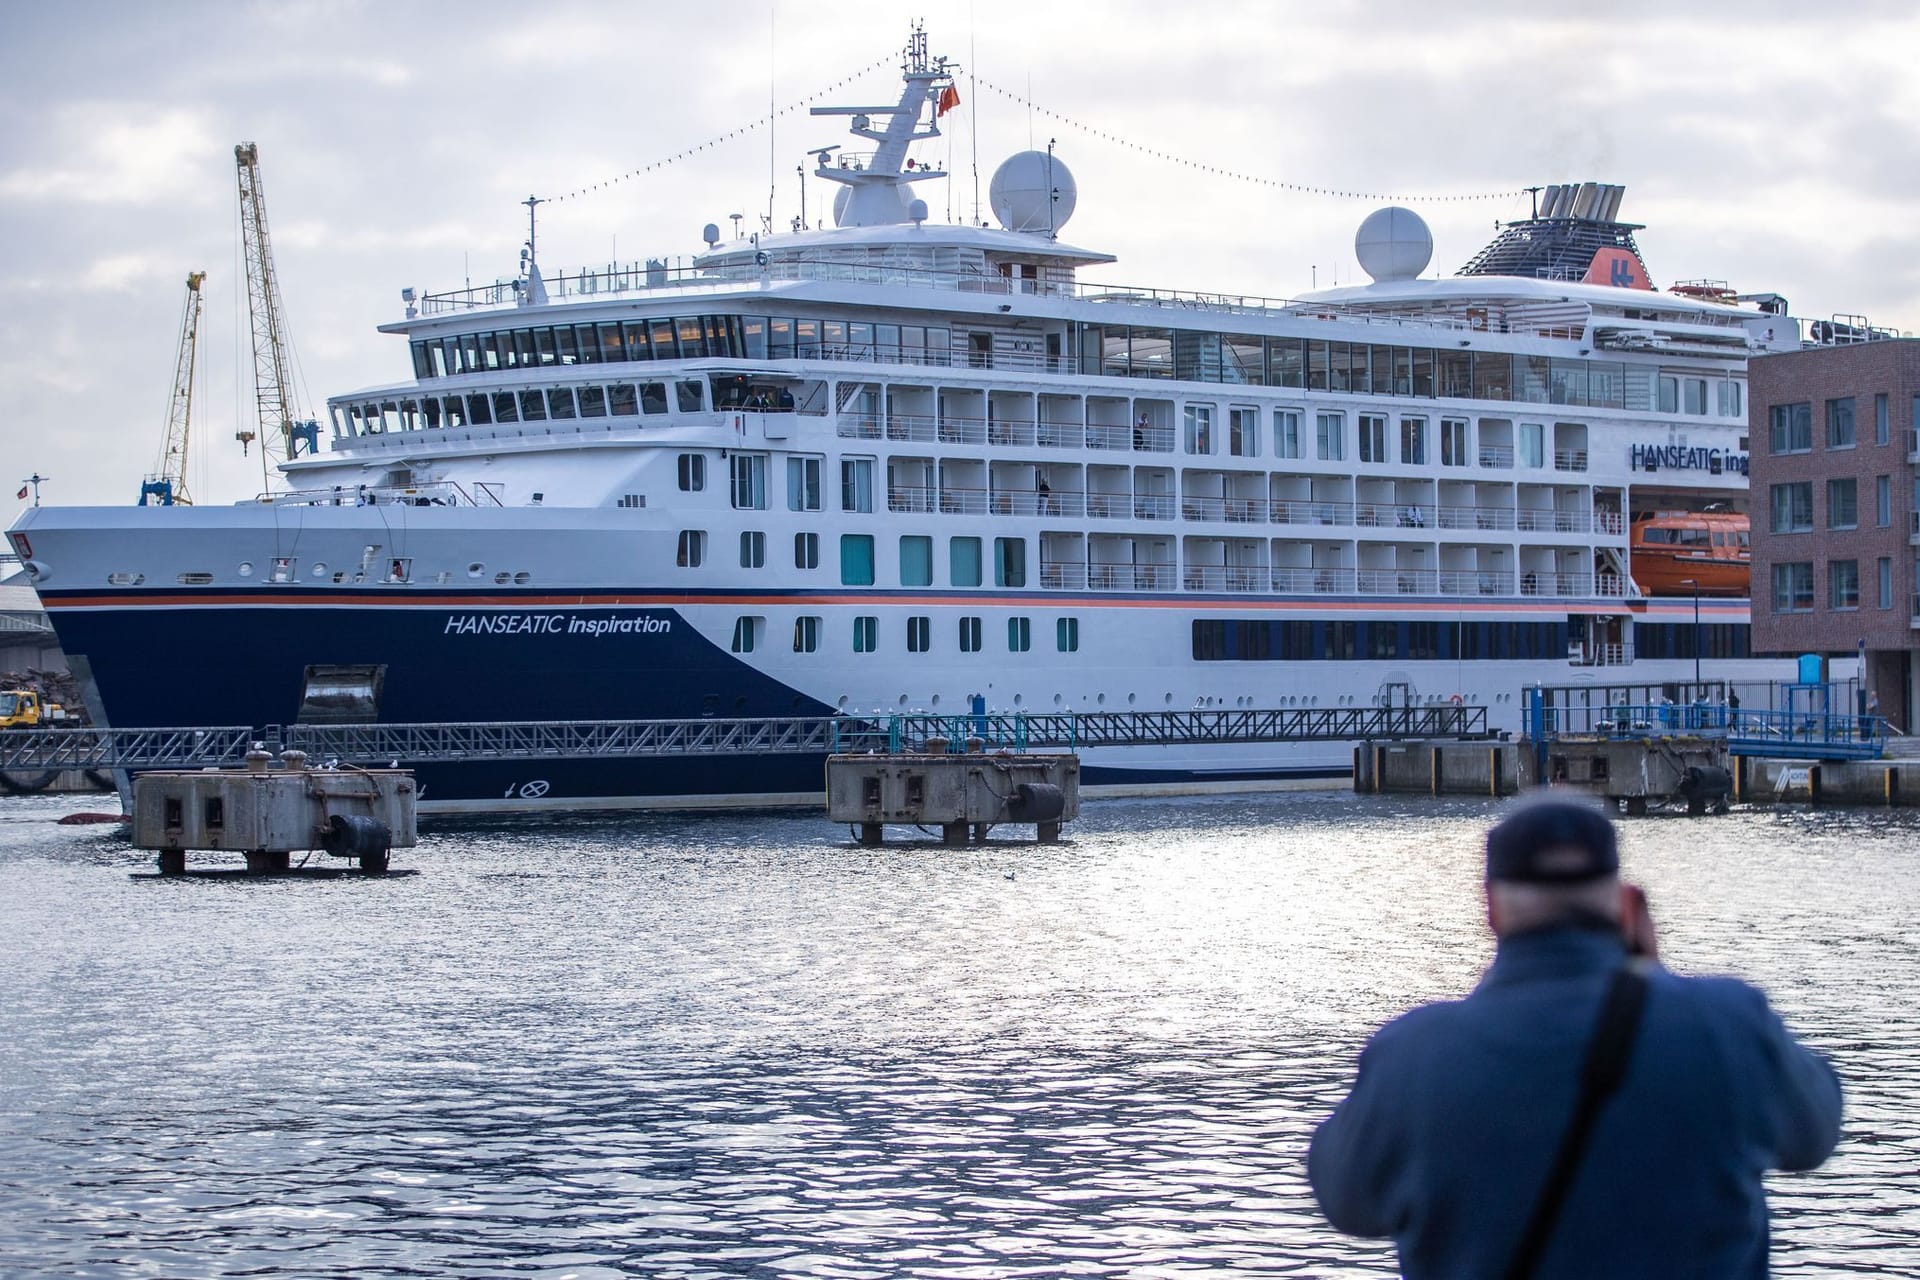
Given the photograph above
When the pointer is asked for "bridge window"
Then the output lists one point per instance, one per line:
(620, 400)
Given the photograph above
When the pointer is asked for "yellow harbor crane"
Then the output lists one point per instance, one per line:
(168, 485)
(280, 429)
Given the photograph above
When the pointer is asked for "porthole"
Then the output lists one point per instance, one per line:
(476, 569)
(1059, 700)
(936, 700)
(1100, 700)
(1018, 699)
(522, 578)
(246, 569)
(1132, 698)
(502, 578)
(903, 702)
(1169, 699)
(842, 703)
(319, 569)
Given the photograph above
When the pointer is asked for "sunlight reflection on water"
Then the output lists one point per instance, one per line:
(709, 1046)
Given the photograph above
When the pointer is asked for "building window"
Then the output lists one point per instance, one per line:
(1886, 582)
(1453, 442)
(1009, 562)
(1373, 438)
(1882, 428)
(963, 562)
(747, 476)
(1020, 633)
(1066, 635)
(866, 634)
(856, 559)
(969, 635)
(693, 472)
(1793, 587)
(1790, 428)
(692, 549)
(1286, 433)
(1792, 506)
(1413, 441)
(1843, 504)
(806, 551)
(856, 484)
(803, 484)
(1883, 500)
(753, 549)
(916, 560)
(1199, 420)
(1533, 444)
(806, 634)
(1330, 436)
(1843, 584)
(745, 632)
(1840, 430)
(1243, 433)
(919, 634)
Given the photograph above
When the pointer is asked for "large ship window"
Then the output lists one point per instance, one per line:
(560, 402)
(692, 399)
(346, 694)
(593, 402)
(620, 400)
(653, 397)
(665, 345)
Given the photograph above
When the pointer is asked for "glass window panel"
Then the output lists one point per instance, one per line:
(856, 559)
(963, 562)
(916, 560)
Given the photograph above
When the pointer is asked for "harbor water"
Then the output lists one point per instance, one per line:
(714, 1046)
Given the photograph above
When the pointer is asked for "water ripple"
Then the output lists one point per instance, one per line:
(688, 1047)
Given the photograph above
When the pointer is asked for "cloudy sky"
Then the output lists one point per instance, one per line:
(1772, 145)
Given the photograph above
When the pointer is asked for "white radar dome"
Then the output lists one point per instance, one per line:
(1393, 244)
(1033, 191)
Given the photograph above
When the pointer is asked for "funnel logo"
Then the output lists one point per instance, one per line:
(1619, 268)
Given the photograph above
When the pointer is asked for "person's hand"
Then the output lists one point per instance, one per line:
(1636, 923)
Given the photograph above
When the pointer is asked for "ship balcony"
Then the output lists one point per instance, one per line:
(1225, 577)
(1109, 506)
(1496, 457)
(1569, 459)
(1105, 576)
(1535, 583)
(912, 498)
(1033, 502)
(1063, 575)
(1153, 506)
(1605, 655)
(1229, 510)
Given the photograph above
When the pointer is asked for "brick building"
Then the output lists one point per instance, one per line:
(1835, 473)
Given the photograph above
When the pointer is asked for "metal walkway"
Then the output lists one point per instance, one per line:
(417, 744)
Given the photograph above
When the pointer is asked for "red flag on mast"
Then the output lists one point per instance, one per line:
(949, 99)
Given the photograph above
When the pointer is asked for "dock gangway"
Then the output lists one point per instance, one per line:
(452, 743)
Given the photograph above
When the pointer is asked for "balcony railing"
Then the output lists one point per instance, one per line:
(1495, 455)
(1063, 575)
(1569, 459)
(1224, 577)
(1108, 576)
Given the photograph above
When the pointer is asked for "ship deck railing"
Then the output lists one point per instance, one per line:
(1545, 319)
(405, 745)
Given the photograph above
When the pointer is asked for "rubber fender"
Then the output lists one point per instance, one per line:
(352, 835)
(1037, 802)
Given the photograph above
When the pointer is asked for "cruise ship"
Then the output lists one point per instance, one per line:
(893, 465)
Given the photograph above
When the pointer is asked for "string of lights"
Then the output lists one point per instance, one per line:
(730, 134)
(1235, 174)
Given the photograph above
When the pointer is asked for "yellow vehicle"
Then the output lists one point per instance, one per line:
(25, 709)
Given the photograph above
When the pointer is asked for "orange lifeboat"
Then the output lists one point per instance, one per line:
(1675, 550)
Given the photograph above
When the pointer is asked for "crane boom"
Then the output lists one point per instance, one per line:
(280, 428)
(168, 485)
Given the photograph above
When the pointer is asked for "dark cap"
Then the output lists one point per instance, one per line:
(1553, 842)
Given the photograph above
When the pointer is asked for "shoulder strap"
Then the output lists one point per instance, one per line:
(1601, 1074)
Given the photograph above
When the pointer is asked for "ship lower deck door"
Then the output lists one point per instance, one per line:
(342, 694)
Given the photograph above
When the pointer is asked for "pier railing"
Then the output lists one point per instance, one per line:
(419, 744)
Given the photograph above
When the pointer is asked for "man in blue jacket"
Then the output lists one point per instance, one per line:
(1460, 1108)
